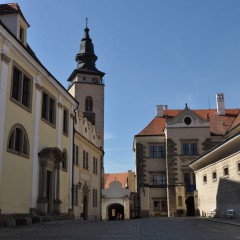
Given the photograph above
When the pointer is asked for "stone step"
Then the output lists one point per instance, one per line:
(57, 217)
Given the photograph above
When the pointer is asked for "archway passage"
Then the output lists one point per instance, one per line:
(115, 212)
(190, 206)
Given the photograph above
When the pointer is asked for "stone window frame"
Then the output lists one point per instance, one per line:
(190, 149)
(157, 153)
(226, 171)
(162, 203)
(162, 180)
(205, 179)
(23, 138)
(76, 155)
(88, 104)
(214, 178)
(20, 90)
(49, 97)
(85, 160)
(95, 165)
(65, 126)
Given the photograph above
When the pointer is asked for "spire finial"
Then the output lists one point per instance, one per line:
(86, 21)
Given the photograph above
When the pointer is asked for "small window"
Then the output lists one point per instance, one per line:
(95, 163)
(88, 104)
(238, 167)
(214, 176)
(76, 157)
(18, 141)
(65, 160)
(204, 178)
(225, 172)
(48, 108)
(84, 78)
(65, 121)
(85, 159)
(22, 34)
(156, 206)
(21, 88)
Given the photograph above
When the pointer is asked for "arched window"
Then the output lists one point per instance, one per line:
(18, 141)
(88, 104)
(65, 160)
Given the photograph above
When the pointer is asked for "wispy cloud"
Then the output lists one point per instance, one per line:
(108, 136)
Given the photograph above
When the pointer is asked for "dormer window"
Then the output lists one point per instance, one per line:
(22, 34)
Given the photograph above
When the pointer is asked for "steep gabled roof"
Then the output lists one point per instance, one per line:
(219, 125)
(111, 177)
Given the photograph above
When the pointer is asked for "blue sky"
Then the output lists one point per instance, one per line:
(152, 51)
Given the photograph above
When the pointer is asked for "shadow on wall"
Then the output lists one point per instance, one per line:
(228, 197)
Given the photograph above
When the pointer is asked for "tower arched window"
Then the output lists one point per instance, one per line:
(18, 141)
(65, 160)
(88, 104)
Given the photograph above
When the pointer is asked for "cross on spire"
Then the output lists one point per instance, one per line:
(86, 22)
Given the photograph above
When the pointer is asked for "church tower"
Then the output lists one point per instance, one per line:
(87, 86)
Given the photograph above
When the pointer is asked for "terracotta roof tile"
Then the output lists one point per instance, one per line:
(219, 125)
(110, 177)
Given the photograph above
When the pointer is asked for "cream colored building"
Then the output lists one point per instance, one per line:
(40, 122)
(118, 196)
(218, 178)
(87, 171)
(164, 150)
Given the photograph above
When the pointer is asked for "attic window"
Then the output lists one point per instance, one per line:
(5, 10)
(21, 34)
(187, 120)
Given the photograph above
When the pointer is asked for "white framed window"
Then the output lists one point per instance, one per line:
(205, 179)
(226, 172)
(214, 176)
(48, 108)
(21, 89)
(18, 141)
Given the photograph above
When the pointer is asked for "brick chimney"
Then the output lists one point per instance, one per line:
(220, 104)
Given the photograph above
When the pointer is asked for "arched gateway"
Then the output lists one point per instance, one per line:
(115, 212)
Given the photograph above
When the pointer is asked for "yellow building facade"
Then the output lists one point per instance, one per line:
(40, 127)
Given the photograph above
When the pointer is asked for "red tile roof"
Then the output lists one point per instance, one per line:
(10, 8)
(219, 125)
(120, 177)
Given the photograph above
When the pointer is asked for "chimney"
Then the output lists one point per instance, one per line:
(160, 109)
(220, 104)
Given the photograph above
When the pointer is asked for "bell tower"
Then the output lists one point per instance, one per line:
(87, 86)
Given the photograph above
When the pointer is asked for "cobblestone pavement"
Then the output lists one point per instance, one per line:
(139, 229)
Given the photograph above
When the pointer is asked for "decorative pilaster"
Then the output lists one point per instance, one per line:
(70, 162)
(60, 122)
(35, 162)
(4, 64)
(57, 201)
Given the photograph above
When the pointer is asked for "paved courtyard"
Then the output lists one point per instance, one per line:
(140, 229)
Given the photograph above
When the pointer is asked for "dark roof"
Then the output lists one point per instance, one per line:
(86, 58)
(11, 8)
(33, 55)
(219, 124)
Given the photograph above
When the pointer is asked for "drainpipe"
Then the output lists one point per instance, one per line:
(101, 182)
(73, 151)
